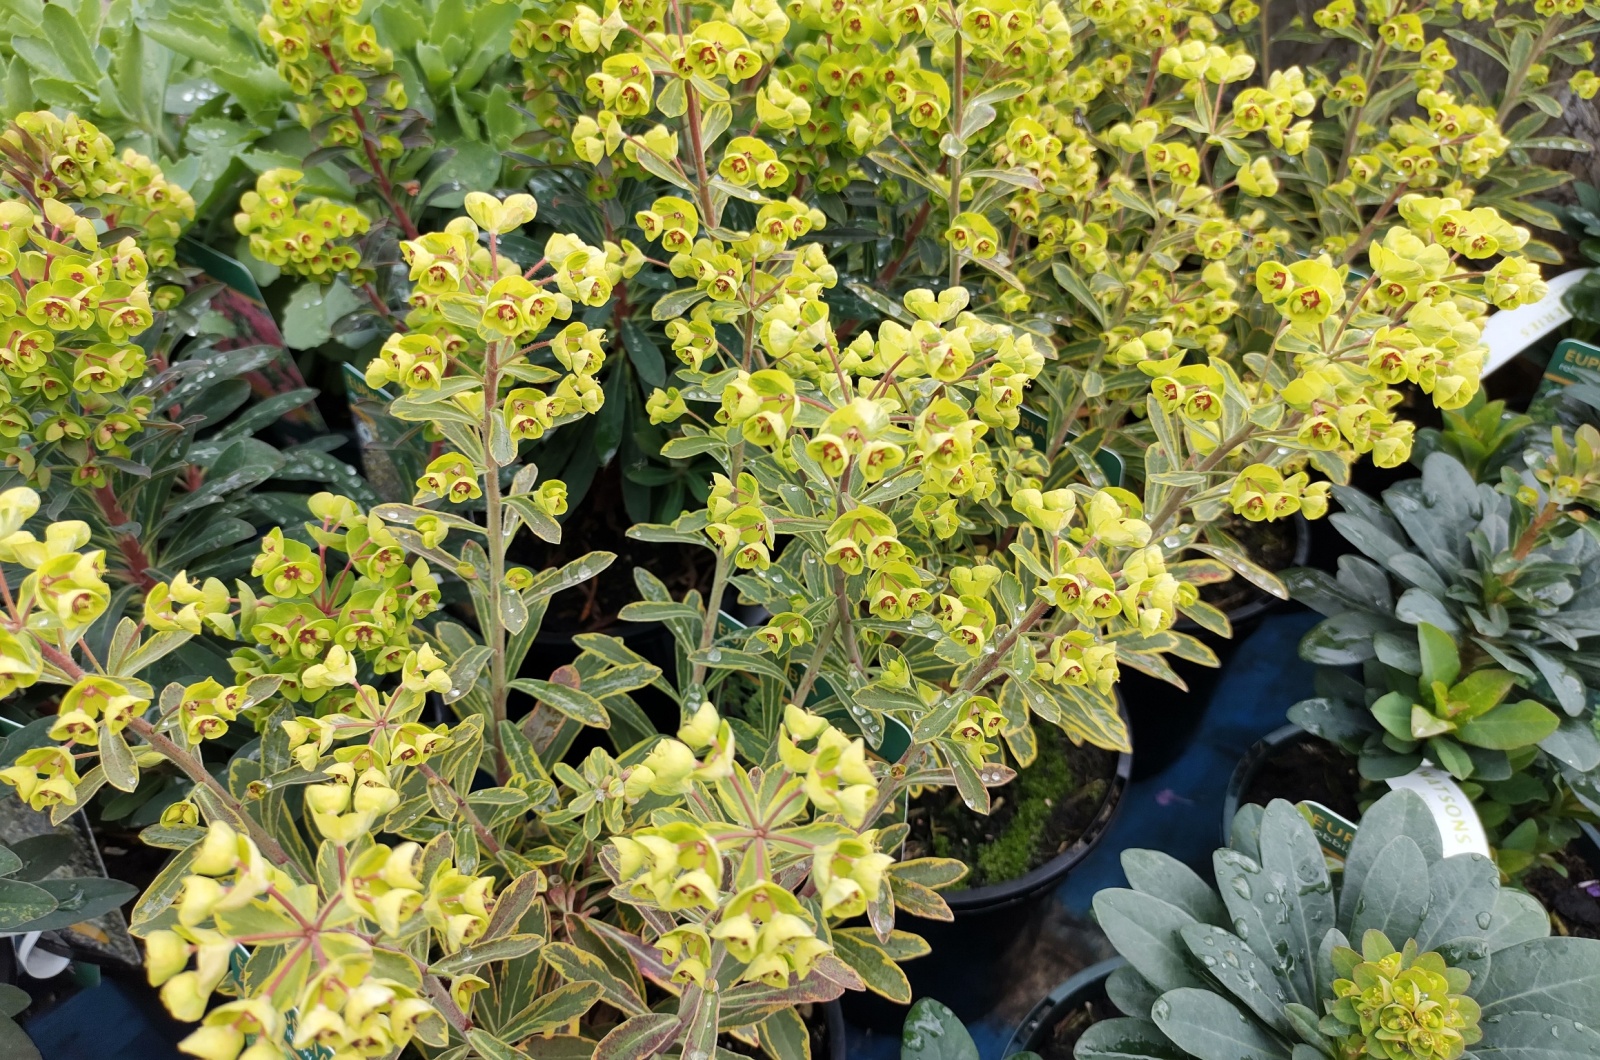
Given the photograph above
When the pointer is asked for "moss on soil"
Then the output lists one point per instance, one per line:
(1035, 817)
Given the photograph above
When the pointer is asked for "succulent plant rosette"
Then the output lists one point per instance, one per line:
(1446, 963)
(1472, 608)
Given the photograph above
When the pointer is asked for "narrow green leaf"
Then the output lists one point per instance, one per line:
(639, 1037)
(21, 904)
(875, 967)
(552, 1010)
(116, 757)
(574, 703)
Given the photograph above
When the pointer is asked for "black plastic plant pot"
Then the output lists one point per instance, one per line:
(1038, 1026)
(838, 1045)
(1164, 720)
(965, 968)
(1244, 774)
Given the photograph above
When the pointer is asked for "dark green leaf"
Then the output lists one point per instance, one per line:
(23, 904)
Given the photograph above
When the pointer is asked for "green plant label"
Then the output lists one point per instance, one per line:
(1572, 362)
(1452, 811)
(1333, 830)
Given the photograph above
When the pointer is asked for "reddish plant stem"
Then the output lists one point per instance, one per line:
(445, 1003)
(1530, 537)
(380, 176)
(887, 276)
(191, 766)
(485, 836)
(132, 549)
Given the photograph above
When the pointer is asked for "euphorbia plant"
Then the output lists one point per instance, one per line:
(376, 887)
(118, 400)
(1228, 353)
(1406, 955)
(1491, 592)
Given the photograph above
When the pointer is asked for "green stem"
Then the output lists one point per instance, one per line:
(196, 771)
(485, 836)
(495, 634)
(970, 684)
(1266, 42)
(814, 666)
(1159, 523)
(1514, 78)
(844, 608)
(1370, 76)
(957, 89)
(708, 630)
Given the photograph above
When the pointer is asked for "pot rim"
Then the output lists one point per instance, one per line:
(1244, 771)
(1263, 601)
(1069, 994)
(995, 896)
(833, 1016)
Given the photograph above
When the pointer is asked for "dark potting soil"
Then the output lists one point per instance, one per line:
(1574, 899)
(600, 522)
(128, 859)
(1038, 815)
(1308, 768)
(1270, 545)
(816, 1022)
(1060, 1040)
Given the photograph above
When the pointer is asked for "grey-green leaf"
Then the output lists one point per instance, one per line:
(1131, 992)
(1393, 898)
(1208, 1027)
(932, 1032)
(1399, 813)
(1244, 885)
(1464, 890)
(1145, 929)
(1537, 1036)
(1559, 976)
(1517, 917)
(1298, 871)
(15, 1044)
(1126, 1039)
(1235, 966)
(82, 899)
(1167, 878)
(23, 903)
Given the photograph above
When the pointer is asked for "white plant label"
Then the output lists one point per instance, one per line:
(1452, 811)
(1509, 332)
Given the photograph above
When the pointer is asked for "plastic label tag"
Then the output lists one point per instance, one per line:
(1510, 331)
(1333, 830)
(1452, 811)
(1572, 362)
